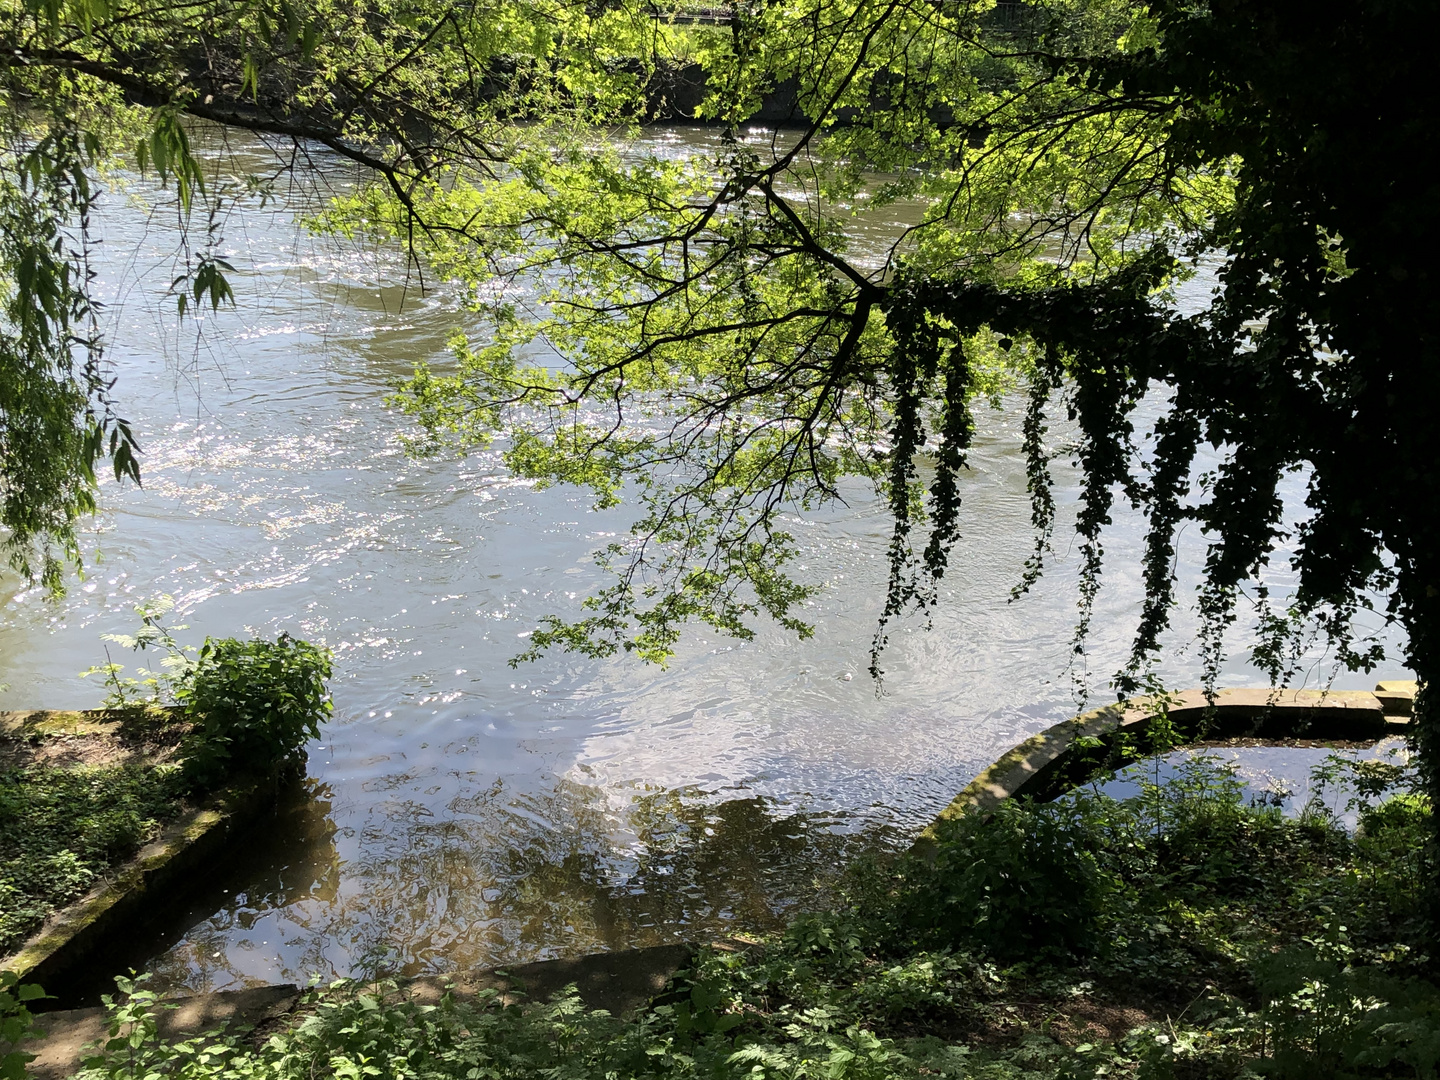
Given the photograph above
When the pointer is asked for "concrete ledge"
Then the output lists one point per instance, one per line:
(1076, 751)
(620, 982)
(155, 880)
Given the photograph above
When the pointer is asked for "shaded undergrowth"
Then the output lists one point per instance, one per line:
(63, 828)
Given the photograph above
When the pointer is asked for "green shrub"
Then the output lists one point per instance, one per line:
(254, 704)
(1223, 846)
(1022, 882)
(16, 1024)
(1408, 813)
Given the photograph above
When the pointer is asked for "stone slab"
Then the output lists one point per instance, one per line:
(1397, 697)
(1408, 687)
(620, 982)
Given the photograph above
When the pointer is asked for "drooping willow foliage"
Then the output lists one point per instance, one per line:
(398, 87)
(57, 418)
(1316, 352)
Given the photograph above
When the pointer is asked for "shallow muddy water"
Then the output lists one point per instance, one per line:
(460, 813)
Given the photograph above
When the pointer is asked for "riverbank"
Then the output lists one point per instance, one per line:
(1193, 929)
(80, 794)
(1186, 931)
(106, 838)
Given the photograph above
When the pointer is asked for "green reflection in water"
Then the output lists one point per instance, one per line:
(606, 870)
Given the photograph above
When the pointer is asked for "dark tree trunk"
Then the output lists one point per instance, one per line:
(1423, 624)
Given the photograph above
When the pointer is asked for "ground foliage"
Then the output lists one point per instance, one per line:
(1213, 936)
(63, 828)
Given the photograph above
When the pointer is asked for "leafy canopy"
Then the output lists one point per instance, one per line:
(400, 88)
(709, 333)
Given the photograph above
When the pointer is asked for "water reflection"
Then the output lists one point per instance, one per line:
(478, 887)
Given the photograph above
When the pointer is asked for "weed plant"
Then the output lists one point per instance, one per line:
(1187, 932)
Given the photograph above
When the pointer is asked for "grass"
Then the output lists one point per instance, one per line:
(1182, 933)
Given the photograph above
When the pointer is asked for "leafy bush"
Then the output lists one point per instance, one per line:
(1024, 881)
(1405, 814)
(1328, 1015)
(16, 1024)
(254, 704)
(1225, 848)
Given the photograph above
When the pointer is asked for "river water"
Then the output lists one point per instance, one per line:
(459, 813)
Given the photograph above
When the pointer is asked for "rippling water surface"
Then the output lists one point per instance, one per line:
(460, 813)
